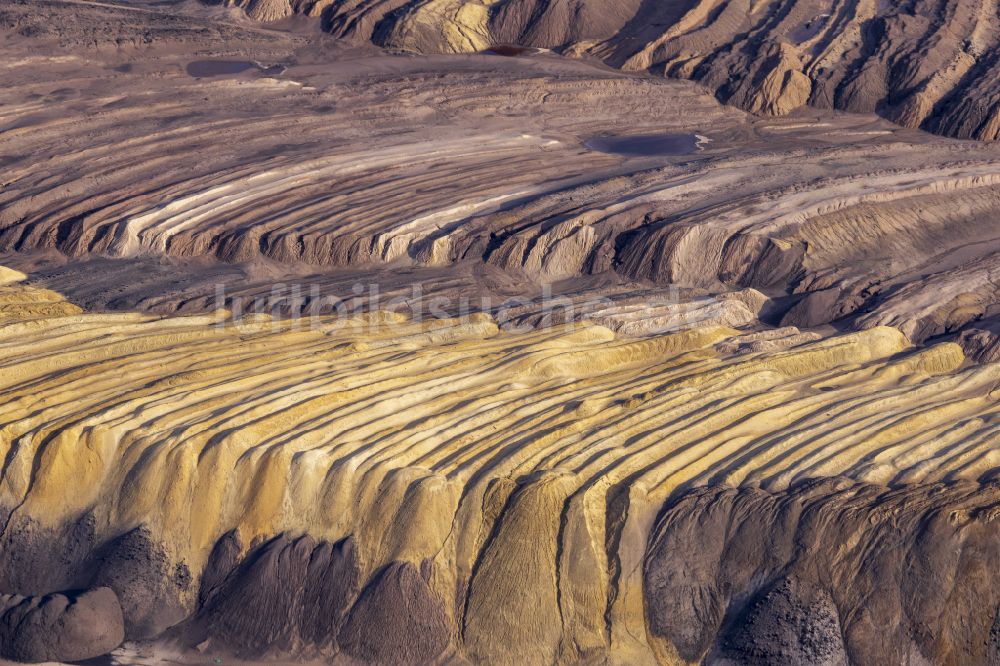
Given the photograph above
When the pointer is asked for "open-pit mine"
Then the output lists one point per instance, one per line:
(500, 332)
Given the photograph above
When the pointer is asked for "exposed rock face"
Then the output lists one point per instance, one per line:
(736, 438)
(268, 10)
(397, 620)
(148, 586)
(299, 590)
(124, 25)
(405, 492)
(397, 165)
(790, 623)
(925, 64)
(69, 626)
(749, 577)
(767, 341)
(982, 341)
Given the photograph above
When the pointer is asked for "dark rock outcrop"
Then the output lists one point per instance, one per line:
(397, 620)
(37, 560)
(981, 341)
(150, 589)
(925, 64)
(295, 598)
(288, 597)
(68, 626)
(830, 572)
(790, 624)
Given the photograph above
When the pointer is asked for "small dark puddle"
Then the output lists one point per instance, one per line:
(200, 68)
(645, 145)
(507, 50)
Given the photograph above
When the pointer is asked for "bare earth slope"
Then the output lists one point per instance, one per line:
(923, 63)
(485, 163)
(469, 493)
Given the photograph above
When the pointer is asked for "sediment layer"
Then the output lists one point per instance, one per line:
(459, 168)
(925, 64)
(647, 379)
(504, 484)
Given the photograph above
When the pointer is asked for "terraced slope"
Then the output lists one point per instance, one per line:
(314, 352)
(504, 485)
(927, 63)
(128, 24)
(460, 167)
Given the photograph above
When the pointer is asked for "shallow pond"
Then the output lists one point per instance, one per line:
(199, 68)
(204, 68)
(645, 145)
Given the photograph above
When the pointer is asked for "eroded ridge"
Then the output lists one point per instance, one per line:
(925, 64)
(506, 484)
(476, 173)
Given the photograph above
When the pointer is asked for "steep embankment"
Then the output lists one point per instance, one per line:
(668, 472)
(924, 64)
(498, 166)
(472, 492)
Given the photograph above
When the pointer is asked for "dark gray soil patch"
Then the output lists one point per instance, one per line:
(645, 145)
